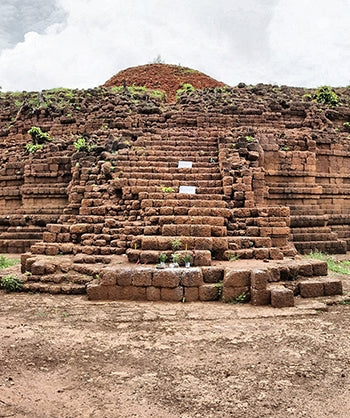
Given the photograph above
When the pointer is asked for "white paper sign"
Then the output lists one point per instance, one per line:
(185, 164)
(187, 189)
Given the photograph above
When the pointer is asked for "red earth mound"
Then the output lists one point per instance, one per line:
(164, 77)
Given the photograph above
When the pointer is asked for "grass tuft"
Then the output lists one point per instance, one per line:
(341, 267)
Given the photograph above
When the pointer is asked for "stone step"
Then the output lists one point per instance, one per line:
(170, 160)
(244, 242)
(150, 166)
(156, 185)
(330, 247)
(54, 288)
(19, 235)
(308, 236)
(165, 243)
(165, 147)
(308, 220)
(318, 210)
(341, 220)
(296, 188)
(187, 211)
(199, 257)
(173, 174)
(181, 197)
(178, 142)
(215, 192)
(271, 253)
(16, 246)
(311, 230)
(189, 220)
(194, 230)
(198, 201)
(320, 286)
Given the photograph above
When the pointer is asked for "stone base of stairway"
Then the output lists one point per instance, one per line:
(276, 282)
(275, 286)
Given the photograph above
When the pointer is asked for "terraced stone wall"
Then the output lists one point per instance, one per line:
(273, 167)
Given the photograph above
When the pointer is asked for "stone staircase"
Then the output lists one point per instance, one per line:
(311, 230)
(157, 190)
(197, 219)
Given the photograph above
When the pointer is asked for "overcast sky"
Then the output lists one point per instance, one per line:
(82, 43)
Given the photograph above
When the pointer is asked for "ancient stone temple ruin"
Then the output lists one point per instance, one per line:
(239, 179)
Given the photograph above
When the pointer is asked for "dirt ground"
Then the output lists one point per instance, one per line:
(63, 356)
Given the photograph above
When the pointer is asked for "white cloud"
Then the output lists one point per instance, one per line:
(17, 17)
(299, 42)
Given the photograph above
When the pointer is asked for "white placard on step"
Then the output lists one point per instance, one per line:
(185, 164)
(187, 189)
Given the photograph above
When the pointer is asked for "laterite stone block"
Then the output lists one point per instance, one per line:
(166, 278)
(172, 295)
(260, 297)
(209, 292)
(311, 289)
(282, 297)
(333, 287)
(236, 278)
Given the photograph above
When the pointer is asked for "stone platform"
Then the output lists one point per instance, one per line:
(275, 282)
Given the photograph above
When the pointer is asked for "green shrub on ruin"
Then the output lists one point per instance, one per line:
(325, 95)
(186, 88)
(38, 136)
(33, 148)
(10, 283)
(81, 145)
(137, 91)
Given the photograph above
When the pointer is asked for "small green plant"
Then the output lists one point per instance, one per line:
(249, 138)
(168, 190)
(187, 258)
(10, 283)
(347, 126)
(307, 97)
(81, 145)
(325, 95)
(242, 298)
(162, 258)
(176, 258)
(7, 262)
(285, 149)
(33, 148)
(176, 244)
(137, 91)
(233, 257)
(219, 287)
(38, 136)
(186, 88)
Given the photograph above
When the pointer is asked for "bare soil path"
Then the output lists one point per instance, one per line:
(62, 356)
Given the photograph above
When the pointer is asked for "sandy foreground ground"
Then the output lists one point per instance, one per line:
(63, 356)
